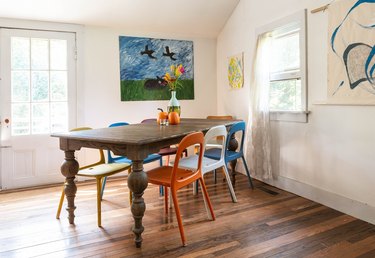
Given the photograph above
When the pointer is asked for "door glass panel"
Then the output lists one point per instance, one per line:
(58, 54)
(40, 90)
(59, 86)
(40, 118)
(59, 117)
(21, 119)
(20, 53)
(39, 54)
(20, 86)
(39, 86)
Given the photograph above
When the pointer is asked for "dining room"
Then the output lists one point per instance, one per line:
(230, 128)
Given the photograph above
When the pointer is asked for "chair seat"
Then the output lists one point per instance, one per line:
(150, 158)
(191, 163)
(162, 175)
(213, 153)
(103, 169)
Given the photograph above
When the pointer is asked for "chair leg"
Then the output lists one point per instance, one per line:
(195, 187)
(103, 186)
(161, 191)
(215, 177)
(211, 214)
(247, 172)
(98, 200)
(170, 199)
(167, 164)
(61, 202)
(178, 216)
(166, 196)
(230, 186)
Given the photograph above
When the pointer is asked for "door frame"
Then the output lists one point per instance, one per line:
(53, 27)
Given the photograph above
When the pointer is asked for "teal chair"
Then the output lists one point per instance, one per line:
(121, 159)
(229, 155)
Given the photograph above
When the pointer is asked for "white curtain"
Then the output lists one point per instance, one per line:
(258, 130)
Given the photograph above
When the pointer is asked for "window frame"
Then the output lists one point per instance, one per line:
(300, 18)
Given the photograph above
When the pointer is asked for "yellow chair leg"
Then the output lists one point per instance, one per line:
(61, 202)
(98, 200)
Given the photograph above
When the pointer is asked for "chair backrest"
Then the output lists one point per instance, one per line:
(148, 121)
(118, 124)
(189, 140)
(112, 159)
(239, 126)
(102, 159)
(220, 117)
(218, 132)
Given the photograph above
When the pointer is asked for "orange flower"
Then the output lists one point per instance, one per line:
(173, 81)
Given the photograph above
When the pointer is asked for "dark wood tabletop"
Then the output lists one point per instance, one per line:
(134, 141)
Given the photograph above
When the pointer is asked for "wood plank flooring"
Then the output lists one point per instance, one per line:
(266, 222)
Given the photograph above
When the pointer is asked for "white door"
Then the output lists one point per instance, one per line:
(38, 97)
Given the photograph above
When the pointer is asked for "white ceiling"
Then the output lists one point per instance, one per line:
(203, 18)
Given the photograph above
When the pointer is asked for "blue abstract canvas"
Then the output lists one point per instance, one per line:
(144, 62)
(351, 56)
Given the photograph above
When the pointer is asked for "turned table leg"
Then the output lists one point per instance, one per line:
(137, 183)
(70, 169)
(233, 145)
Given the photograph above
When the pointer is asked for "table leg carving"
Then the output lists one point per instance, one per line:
(233, 145)
(137, 183)
(70, 169)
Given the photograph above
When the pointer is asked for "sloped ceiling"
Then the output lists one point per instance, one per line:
(204, 18)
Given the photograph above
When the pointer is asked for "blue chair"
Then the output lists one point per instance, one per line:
(229, 156)
(121, 159)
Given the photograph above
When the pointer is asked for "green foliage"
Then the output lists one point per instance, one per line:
(285, 95)
(132, 90)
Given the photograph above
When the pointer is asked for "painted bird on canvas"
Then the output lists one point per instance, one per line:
(168, 53)
(148, 52)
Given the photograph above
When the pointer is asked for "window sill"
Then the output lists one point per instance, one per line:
(289, 116)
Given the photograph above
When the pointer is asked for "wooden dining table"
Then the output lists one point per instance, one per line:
(135, 141)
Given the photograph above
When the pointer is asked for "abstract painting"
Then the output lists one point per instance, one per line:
(235, 71)
(144, 62)
(351, 53)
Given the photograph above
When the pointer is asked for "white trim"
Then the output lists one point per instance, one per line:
(289, 116)
(39, 25)
(341, 203)
(354, 208)
(286, 75)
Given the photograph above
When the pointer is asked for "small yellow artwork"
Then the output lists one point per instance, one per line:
(235, 71)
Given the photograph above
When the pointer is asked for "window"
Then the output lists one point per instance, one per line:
(39, 90)
(287, 68)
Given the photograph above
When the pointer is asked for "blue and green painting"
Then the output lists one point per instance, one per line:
(144, 62)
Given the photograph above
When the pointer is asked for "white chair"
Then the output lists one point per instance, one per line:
(208, 164)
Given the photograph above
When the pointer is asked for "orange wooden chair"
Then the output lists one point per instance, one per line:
(175, 178)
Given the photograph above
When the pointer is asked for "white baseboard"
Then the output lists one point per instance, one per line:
(354, 208)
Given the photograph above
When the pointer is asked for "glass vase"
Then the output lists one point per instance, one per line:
(174, 104)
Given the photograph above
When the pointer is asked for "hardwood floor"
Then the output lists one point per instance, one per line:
(266, 222)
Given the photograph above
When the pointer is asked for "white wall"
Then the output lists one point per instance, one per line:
(100, 102)
(330, 159)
